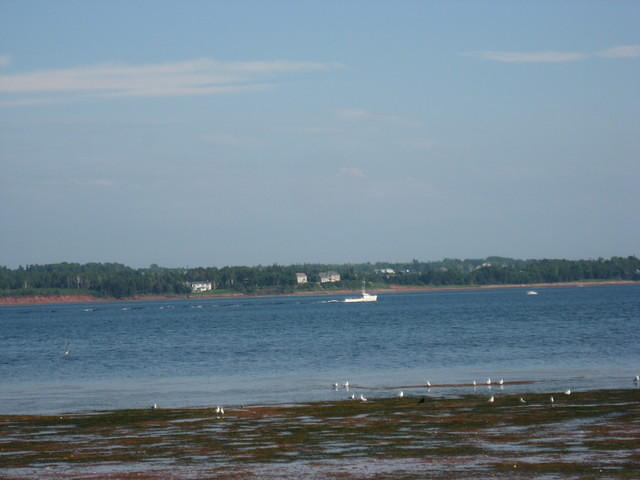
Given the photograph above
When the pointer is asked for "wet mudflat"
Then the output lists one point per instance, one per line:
(593, 434)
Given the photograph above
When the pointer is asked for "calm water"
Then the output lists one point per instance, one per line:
(280, 350)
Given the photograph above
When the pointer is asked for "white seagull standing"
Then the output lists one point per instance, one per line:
(363, 398)
(428, 384)
(488, 382)
(568, 392)
(346, 385)
(401, 394)
(492, 399)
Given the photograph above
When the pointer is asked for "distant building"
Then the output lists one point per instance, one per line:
(199, 287)
(386, 271)
(484, 265)
(329, 277)
(301, 278)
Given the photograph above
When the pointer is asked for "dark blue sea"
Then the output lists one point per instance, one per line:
(189, 353)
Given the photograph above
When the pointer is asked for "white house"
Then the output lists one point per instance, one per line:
(386, 271)
(329, 277)
(199, 287)
(301, 278)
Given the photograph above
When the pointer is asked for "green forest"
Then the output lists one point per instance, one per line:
(114, 280)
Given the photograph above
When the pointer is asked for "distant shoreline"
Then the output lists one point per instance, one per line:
(68, 299)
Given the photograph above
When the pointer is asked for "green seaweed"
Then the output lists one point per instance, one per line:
(574, 437)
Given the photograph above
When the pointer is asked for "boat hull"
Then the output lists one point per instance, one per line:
(364, 298)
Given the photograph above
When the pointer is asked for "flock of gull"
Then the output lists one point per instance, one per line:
(354, 396)
(489, 383)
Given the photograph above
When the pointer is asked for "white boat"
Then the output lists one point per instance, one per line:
(365, 297)
(532, 292)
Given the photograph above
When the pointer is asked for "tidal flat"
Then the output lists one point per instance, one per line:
(587, 434)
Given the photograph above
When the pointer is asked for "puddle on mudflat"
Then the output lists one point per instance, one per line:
(193, 420)
(307, 420)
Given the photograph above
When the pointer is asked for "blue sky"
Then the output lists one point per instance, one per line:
(204, 133)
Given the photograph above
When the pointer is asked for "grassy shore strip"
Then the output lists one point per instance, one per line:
(591, 434)
(62, 299)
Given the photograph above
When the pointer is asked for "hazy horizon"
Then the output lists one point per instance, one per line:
(206, 133)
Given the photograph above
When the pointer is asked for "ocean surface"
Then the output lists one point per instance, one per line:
(190, 353)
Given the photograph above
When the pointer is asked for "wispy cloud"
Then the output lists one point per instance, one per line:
(66, 181)
(354, 114)
(416, 144)
(361, 114)
(624, 51)
(315, 130)
(351, 172)
(529, 57)
(230, 140)
(190, 77)
(99, 182)
(307, 130)
(28, 101)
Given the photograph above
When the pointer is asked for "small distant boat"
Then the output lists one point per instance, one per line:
(532, 292)
(364, 297)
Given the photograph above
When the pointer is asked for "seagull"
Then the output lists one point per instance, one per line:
(346, 385)
(353, 396)
(522, 400)
(501, 382)
(363, 398)
(636, 379)
(475, 383)
(219, 411)
(568, 392)
(488, 382)
(335, 386)
(428, 384)
(154, 406)
(491, 399)
(401, 394)
(552, 400)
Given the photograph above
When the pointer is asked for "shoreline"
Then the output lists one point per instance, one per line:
(71, 299)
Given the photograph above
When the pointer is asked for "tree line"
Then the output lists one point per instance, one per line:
(120, 281)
